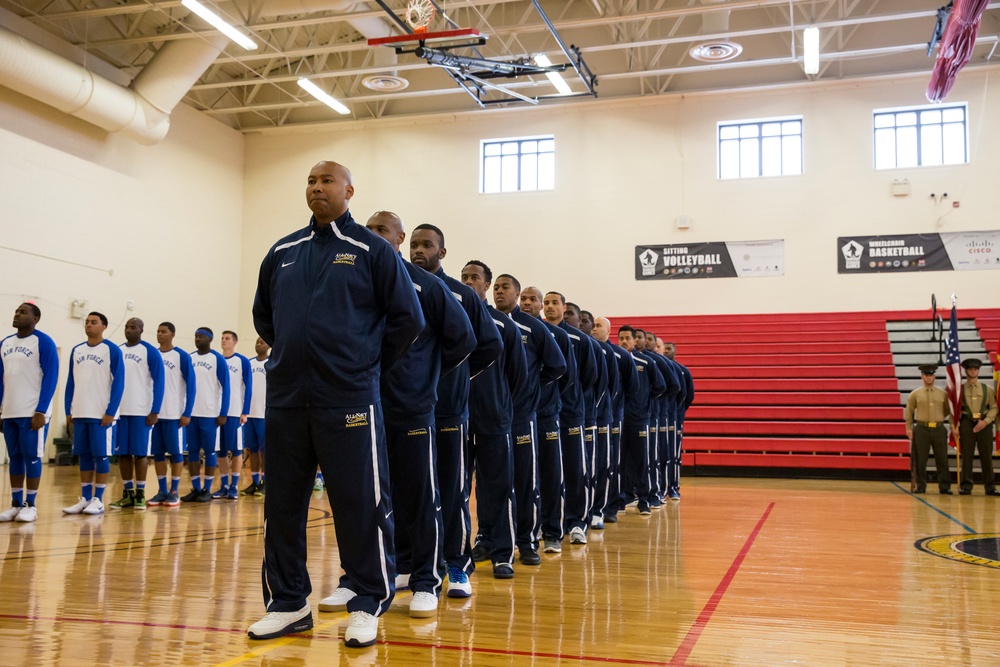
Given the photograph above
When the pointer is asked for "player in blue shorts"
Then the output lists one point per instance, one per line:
(231, 442)
(175, 415)
(208, 414)
(29, 369)
(139, 411)
(253, 430)
(93, 394)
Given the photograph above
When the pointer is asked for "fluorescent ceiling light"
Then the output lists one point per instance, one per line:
(216, 21)
(323, 97)
(543, 61)
(810, 47)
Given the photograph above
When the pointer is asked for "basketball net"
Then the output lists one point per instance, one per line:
(418, 14)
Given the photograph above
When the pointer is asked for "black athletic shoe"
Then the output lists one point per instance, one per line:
(503, 571)
(480, 553)
(204, 496)
(250, 490)
(530, 557)
(191, 497)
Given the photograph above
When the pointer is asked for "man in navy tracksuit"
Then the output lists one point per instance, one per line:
(451, 415)
(409, 394)
(666, 407)
(601, 464)
(571, 421)
(551, 487)
(677, 441)
(635, 439)
(591, 398)
(338, 309)
(545, 365)
(629, 385)
(491, 414)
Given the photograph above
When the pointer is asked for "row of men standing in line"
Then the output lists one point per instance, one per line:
(502, 373)
(133, 400)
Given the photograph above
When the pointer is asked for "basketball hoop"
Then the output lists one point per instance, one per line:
(418, 14)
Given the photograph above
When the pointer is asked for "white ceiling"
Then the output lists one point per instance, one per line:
(635, 48)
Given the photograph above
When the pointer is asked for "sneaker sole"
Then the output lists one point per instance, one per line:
(357, 643)
(423, 613)
(459, 593)
(298, 626)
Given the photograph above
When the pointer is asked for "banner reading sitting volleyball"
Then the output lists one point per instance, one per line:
(728, 259)
(947, 251)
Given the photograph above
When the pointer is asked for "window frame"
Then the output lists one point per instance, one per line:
(483, 143)
(760, 122)
(918, 109)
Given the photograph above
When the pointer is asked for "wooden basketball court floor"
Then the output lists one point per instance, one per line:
(741, 573)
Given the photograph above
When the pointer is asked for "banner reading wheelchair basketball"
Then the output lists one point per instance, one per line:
(749, 259)
(949, 251)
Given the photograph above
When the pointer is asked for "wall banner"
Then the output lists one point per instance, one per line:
(948, 251)
(729, 259)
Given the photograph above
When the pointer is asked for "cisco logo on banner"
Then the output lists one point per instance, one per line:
(984, 247)
(852, 254)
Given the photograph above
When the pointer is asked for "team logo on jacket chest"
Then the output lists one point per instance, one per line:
(345, 258)
(353, 419)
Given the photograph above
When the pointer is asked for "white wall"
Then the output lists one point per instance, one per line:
(626, 169)
(166, 219)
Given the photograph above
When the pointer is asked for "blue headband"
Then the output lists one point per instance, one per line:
(204, 332)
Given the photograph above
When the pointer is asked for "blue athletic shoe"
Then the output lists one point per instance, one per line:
(221, 493)
(458, 583)
(157, 499)
(234, 493)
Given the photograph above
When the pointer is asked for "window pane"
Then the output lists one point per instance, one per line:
(930, 145)
(529, 146)
(791, 156)
(770, 129)
(906, 118)
(885, 120)
(953, 115)
(546, 171)
(954, 144)
(546, 145)
(510, 148)
(491, 174)
(927, 117)
(729, 132)
(749, 130)
(491, 149)
(508, 170)
(885, 149)
(906, 147)
(771, 156)
(729, 159)
(749, 158)
(794, 127)
(529, 172)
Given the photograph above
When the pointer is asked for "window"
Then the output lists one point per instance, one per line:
(925, 136)
(748, 149)
(516, 165)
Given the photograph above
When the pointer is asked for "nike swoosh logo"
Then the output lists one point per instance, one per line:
(284, 264)
(388, 515)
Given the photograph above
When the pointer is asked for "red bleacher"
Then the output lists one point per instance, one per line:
(795, 393)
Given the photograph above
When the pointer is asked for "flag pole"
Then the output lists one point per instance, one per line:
(955, 419)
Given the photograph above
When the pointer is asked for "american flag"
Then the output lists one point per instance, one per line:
(953, 366)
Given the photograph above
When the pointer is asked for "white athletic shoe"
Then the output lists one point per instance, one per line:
(81, 504)
(402, 582)
(27, 514)
(11, 513)
(597, 522)
(96, 506)
(423, 605)
(577, 536)
(280, 623)
(338, 601)
(362, 629)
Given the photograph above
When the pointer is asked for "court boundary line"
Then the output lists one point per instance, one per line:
(939, 511)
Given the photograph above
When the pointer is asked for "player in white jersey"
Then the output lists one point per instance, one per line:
(240, 396)
(139, 411)
(29, 369)
(211, 403)
(253, 430)
(175, 414)
(93, 395)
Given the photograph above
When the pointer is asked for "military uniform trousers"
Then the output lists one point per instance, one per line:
(924, 439)
(971, 443)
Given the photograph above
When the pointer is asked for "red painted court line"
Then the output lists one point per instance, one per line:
(531, 654)
(687, 645)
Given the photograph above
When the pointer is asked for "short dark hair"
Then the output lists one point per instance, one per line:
(570, 304)
(169, 326)
(627, 328)
(34, 309)
(588, 314)
(101, 316)
(482, 265)
(517, 284)
(639, 331)
(236, 338)
(433, 229)
(558, 294)
(667, 342)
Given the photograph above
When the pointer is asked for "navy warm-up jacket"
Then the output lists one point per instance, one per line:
(573, 408)
(337, 306)
(550, 398)
(491, 407)
(544, 361)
